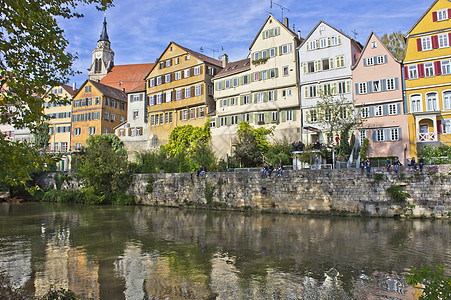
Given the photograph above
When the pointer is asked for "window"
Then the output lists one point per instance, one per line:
(335, 40)
(362, 88)
(264, 75)
(222, 121)
(289, 115)
(161, 118)
(135, 114)
(224, 102)
(426, 43)
(97, 100)
(233, 101)
(365, 112)
(271, 96)
(186, 73)
(442, 14)
(77, 146)
(113, 117)
(261, 118)
(159, 80)
(266, 34)
(122, 132)
(256, 55)
(446, 67)
(312, 91)
(245, 79)
(235, 82)
(178, 75)
(443, 40)
(392, 109)
(286, 92)
(178, 94)
(376, 86)
(197, 90)
(256, 78)
(245, 118)
(234, 120)
(187, 92)
(340, 61)
(313, 117)
(413, 72)
(227, 84)
(201, 112)
(276, 31)
(432, 101)
(288, 48)
(187, 57)
(152, 82)
(168, 63)
(87, 89)
(312, 45)
(96, 115)
(167, 78)
(323, 42)
(428, 69)
(390, 84)
(259, 97)
(342, 87)
(159, 98)
(106, 116)
(192, 113)
(380, 135)
(378, 111)
(311, 67)
(285, 71)
(380, 59)
(416, 103)
(138, 131)
(272, 52)
(161, 64)
(373, 45)
(446, 126)
(362, 136)
(77, 131)
(447, 100)
(176, 60)
(212, 123)
(105, 131)
(152, 120)
(246, 99)
(197, 70)
(325, 64)
(263, 54)
(91, 130)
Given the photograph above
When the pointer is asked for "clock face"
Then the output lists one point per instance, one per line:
(98, 55)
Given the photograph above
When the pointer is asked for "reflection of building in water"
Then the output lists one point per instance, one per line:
(154, 276)
(15, 261)
(67, 268)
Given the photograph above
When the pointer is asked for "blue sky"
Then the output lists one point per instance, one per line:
(140, 30)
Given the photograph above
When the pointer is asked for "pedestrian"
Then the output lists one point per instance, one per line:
(362, 166)
(421, 163)
(388, 164)
(368, 166)
(413, 164)
(396, 164)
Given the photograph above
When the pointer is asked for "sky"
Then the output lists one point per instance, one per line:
(140, 30)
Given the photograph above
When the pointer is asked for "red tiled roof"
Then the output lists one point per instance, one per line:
(234, 67)
(202, 56)
(69, 89)
(127, 77)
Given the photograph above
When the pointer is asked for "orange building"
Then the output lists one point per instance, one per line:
(96, 109)
(180, 91)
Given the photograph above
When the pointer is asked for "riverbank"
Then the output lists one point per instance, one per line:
(345, 192)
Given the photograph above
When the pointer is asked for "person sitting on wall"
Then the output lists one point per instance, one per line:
(396, 164)
(388, 164)
(203, 170)
(368, 166)
(421, 163)
(362, 166)
(413, 164)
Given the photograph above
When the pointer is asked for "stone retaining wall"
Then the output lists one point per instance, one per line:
(345, 192)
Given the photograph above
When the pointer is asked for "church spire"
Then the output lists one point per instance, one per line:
(104, 35)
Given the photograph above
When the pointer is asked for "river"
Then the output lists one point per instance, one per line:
(112, 252)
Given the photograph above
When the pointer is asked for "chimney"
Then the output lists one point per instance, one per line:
(74, 86)
(285, 22)
(225, 60)
(299, 34)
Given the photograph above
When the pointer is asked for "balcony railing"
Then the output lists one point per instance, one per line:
(427, 137)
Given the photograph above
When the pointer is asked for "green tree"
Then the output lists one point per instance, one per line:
(41, 135)
(396, 44)
(436, 285)
(34, 56)
(279, 152)
(251, 145)
(103, 169)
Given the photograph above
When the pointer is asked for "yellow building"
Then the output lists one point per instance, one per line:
(180, 91)
(96, 109)
(427, 74)
(60, 123)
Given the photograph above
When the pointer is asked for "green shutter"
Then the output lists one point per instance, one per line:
(267, 117)
(278, 30)
(251, 115)
(220, 102)
(280, 50)
(216, 86)
(255, 118)
(240, 80)
(263, 35)
(267, 52)
(294, 115)
(228, 120)
(277, 72)
(284, 116)
(275, 94)
(255, 98)
(241, 100)
(275, 51)
(265, 97)
(249, 78)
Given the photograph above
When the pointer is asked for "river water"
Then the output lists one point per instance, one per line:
(109, 252)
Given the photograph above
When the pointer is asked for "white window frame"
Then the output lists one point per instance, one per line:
(416, 103)
(271, 96)
(365, 112)
(234, 120)
(152, 82)
(274, 116)
(426, 43)
(413, 72)
(197, 90)
(289, 115)
(323, 42)
(178, 94)
(168, 96)
(443, 40)
(378, 110)
(77, 131)
(224, 102)
(159, 98)
(390, 82)
(393, 109)
(272, 52)
(196, 70)
(167, 78)
(178, 75)
(201, 112)
(235, 82)
(246, 99)
(159, 81)
(186, 73)
(394, 134)
(442, 14)
(380, 59)
(432, 101)
(256, 56)
(260, 97)
(447, 100)
(187, 92)
(286, 70)
(312, 45)
(428, 69)
(184, 114)
(446, 67)
(362, 136)
(233, 101)
(380, 135)
(363, 89)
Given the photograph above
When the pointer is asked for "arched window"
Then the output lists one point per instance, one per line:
(98, 66)
(447, 100)
(415, 101)
(432, 102)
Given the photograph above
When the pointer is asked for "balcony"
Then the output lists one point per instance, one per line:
(427, 137)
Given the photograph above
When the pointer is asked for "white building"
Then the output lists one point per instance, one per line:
(261, 89)
(326, 57)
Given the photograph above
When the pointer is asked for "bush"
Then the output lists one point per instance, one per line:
(435, 284)
(123, 199)
(397, 194)
(62, 196)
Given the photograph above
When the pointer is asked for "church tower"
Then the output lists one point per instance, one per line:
(102, 56)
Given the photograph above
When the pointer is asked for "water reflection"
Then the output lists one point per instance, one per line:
(155, 253)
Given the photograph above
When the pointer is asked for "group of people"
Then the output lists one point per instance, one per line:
(268, 170)
(365, 165)
(202, 170)
(415, 165)
(396, 164)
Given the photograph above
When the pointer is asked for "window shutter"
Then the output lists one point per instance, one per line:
(255, 98)
(280, 50)
(339, 40)
(276, 70)
(439, 127)
(419, 46)
(449, 13)
(383, 85)
(359, 113)
(385, 59)
(220, 103)
(437, 68)
(317, 44)
(406, 72)
(385, 110)
(348, 86)
(365, 62)
(434, 39)
(396, 83)
(256, 118)
(420, 70)
(328, 42)
(331, 63)
(216, 86)
(275, 95)
(267, 117)
(249, 78)
(304, 68)
(357, 91)
(374, 135)
(192, 91)
(308, 47)
(398, 108)
(241, 100)
(306, 95)
(449, 34)
(180, 115)
(294, 115)
(265, 97)
(251, 117)
(371, 111)
(369, 85)
(202, 69)
(399, 133)
(387, 136)
(434, 16)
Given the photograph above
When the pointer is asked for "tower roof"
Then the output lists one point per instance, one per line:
(104, 34)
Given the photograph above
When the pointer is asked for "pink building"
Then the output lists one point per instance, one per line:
(379, 101)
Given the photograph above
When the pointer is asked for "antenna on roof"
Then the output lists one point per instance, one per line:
(213, 50)
(355, 33)
(281, 7)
